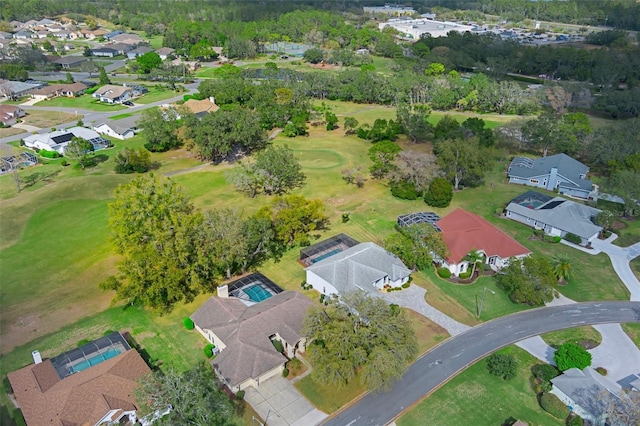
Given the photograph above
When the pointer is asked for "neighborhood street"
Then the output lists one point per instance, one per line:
(460, 351)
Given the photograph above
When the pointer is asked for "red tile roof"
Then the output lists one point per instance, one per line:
(464, 232)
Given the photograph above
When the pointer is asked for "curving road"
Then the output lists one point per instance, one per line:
(449, 358)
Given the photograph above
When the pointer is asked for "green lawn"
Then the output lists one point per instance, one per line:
(635, 266)
(120, 116)
(328, 398)
(629, 234)
(633, 331)
(588, 336)
(475, 397)
(80, 102)
(156, 94)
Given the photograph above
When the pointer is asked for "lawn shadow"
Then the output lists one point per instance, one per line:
(36, 177)
(95, 160)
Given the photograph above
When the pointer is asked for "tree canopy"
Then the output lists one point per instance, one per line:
(571, 355)
(352, 336)
(529, 281)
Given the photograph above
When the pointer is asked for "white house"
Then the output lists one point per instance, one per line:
(59, 139)
(365, 266)
(584, 391)
(416, 28)
(119, 129)
(113, 94)
(464, 232)
(243, 335)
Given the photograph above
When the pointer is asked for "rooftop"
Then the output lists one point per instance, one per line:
(584, 388)
(568, 167)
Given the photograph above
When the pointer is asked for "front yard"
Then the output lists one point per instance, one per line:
(84, 102)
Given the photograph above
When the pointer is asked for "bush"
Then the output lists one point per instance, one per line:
(82, 342)
(552, 405)
(464, 275)
(64, 163)
(188, 323)
(208, 350)
(444, 273)
(439, 194)
(285, 372)
(92, 90)
(404, 190)
(544, 372)
(346, 217)
(550, 239)
(278, 345)
(108, 332)
(504, 366)
(603, 371)
(49, 154)
(575, 420)
(303, 284)
(240, 394)
(406, 285)
(573, 238)
(570, 355)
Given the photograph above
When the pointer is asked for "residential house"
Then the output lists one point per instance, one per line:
(46, 22)
(68, 62)
(59, 139)
(55, 90)
(16, 162)
(23, 34)
(464, 232)
(139, 51)
(9, 114)
(90, 385)
(92, 34)
(106, 52)
(366, 266)
(557, 216)
(112, 34)
(5, 39)
(119, 129)
(244, 335)
(165, 52)
(190, 65)
(586, 392)
(121, 48)
(131, 39)
(40, 35)
(201, 107)
(30, 23)
(16, 89)
(556, 172)
(113, 94)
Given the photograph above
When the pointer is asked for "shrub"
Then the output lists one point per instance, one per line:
(464, 275)
(346, 217)
(188, 323)
(208, 350)
(83, 342)
(49, 154)
(406, 285)
(575, 420)
(538, 233)
(444, 272)
(573, 238)
(602, 371)
(504, 366)
(544, 372)
(552, 405)
(285, 372)
(439, 194)
(303, 284)
(278, 345)
(108, 332)
(64, 163)
(92, 90)
(240, 394)
(404, 190)
(570, 355)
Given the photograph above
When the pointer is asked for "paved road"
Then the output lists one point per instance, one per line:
(459, 352)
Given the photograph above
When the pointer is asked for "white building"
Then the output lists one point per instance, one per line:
(415, 28)
(59, 139)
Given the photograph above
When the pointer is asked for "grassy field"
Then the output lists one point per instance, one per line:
(635, 266)
(479, 398)
(156, 93)
(629, 234)
(579, 335)
(121, 116)
(45, 119)
(81, 102)
(10, 131)
(633, 331)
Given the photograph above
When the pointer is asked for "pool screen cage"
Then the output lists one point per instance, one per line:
(236, 287)
(418, 218)
(63, 363)
(531, 198)
(338, 243)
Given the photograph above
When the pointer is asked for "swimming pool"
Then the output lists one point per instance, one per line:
(95, 360)
(257, 293)
(324, 256)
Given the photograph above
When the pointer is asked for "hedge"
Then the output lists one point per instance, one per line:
(48, 154)
(208, 350)
(406, 285)
(188, 323)
(464, 275)
(552, 405)
(573, 238)
(405, 190)
(544, 372)
(575, 420)
(278, 345)
(444, 272)
(285, 372)
(240, 394)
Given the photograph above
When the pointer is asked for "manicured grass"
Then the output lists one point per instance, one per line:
(633, 331)
(628, 235)
(156, 94)
(479, 398)
(579, 335)
(119, 116)
(635, 266)
(10, 131)
(429, 333)
(156, 41)
(46, 119)
(80, 102)
(329, 398)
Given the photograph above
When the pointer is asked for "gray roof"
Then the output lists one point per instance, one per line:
(358, 267)
(567, 167)
(245, 330)
(122, 125)
(584, 388)
(69, 60)
(563, 214)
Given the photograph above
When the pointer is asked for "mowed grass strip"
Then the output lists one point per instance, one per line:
(578, 335)
(475, 397)
(81, 102)
(633, 331)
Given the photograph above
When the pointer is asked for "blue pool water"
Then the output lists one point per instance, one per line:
(324, 256)
(257, 293)
(95, 360)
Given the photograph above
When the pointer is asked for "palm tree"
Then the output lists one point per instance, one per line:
(474, 257)
(562, 268)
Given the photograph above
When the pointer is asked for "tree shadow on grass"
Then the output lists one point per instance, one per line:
(95, 160)
(36, 177)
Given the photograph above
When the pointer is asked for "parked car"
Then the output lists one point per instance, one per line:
(127, 103)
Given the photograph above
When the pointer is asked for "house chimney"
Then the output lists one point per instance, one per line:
(37, 358)
(212, 99)
(223, 291)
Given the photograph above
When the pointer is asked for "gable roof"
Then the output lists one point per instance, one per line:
(464, 231)
(165, 51)
(55, 88)
(121, 126)
(245, 330)
(563, 214)
(70, 60)
(584, 387)
(200, 107)
(568, 167)
(358, 267)
(81, 398)
(111, 91)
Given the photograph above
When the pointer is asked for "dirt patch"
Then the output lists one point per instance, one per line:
(146, 335)
(325, 66)
(618, 225)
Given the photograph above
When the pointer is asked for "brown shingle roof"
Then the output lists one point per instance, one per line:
(245, 330)
(81, 398)
(201, 107)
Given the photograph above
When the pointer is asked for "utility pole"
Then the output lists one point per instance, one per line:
(484, 292)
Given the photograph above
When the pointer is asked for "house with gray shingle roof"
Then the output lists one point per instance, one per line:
(366, 266)
(583, 391)
(119, 129)
(555, 172)
(243, 335)
(557, 216)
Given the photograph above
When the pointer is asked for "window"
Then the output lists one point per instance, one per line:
(534, 180)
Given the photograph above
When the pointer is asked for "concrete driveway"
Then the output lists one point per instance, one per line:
(279, 403)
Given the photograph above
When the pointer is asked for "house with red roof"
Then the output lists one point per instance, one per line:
(465, 232)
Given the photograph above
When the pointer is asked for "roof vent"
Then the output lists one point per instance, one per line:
(37, 358)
